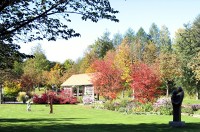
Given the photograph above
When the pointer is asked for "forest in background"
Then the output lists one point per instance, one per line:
(150, 63)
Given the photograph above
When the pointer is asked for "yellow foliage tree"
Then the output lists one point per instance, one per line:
(122, 61)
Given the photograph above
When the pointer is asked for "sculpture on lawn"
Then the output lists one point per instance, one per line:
(177, 99)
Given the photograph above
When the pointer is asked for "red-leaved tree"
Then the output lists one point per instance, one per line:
(107, 79)
(145, 83)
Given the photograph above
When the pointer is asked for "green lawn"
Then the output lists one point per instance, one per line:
(77, 118)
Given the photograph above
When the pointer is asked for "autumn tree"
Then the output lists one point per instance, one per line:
(53, 77)
(170, 69)
(29, 20)
(145, 83)
(11, 88)
(122, 61)
(27, 83)
(107, 79)
(89, 57)
(150, 53)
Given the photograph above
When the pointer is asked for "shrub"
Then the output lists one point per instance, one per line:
(73, 100)
(122, 109)
(188, 110)
(88, 100)
(109, 105)
(130, 106)
(98, 105)
(197, 112)
(60, 98)
(164, 106)
(21, 96)
(147, 107)
(40, 99)
(11, 88)
(80, 99)
(195, 107)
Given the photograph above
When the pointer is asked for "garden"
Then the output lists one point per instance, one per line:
(134, 75)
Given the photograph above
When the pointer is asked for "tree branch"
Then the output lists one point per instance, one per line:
(30, 20)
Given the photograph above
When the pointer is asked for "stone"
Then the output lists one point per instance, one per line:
(177, 123)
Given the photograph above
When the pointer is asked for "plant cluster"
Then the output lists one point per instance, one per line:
(191, 109)
(195, 107)
(163, 105)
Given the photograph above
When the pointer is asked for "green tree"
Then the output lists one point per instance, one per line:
(130, 35)
(187, 45)
(117, 39)
(68, 64)
(140, 43)
(165, 40)
(9, 53)
(195, 67)
(18, 68)
(102, 45)
(29, 20)
(154, 33)
(35, 66)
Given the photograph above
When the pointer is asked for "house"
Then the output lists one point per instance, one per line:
(81, 85)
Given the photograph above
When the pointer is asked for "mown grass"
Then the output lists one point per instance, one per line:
(77, 118)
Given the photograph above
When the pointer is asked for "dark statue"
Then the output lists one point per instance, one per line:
(177, 99)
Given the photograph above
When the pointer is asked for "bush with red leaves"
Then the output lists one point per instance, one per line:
(61, 98)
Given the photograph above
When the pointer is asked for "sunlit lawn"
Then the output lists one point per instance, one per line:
(77, 118)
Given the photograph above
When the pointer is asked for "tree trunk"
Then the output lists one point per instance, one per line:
(1, 93)
(123, 93)
(51, 105)
(197, 94)
(167, 90)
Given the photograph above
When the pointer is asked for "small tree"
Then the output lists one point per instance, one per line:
(107, 81)
(145, 83)
(51, 96)
(27, 83)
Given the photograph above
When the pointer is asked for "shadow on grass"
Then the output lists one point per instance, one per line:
(66, 125)
(13, 120)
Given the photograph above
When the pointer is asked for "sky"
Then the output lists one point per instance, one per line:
(132, 14)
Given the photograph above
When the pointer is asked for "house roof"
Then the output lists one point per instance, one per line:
(78, 79)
